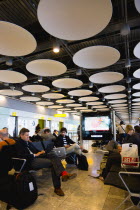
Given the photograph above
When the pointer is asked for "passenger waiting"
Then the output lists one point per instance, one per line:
(46, 135)
(64, 141)
(39, 159)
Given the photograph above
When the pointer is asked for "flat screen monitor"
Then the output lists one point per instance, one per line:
(96, 126)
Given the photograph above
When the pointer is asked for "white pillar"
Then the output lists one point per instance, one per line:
(114, 124)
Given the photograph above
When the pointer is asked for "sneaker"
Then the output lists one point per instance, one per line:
(67, 177)
(59, 191)
(84, 151)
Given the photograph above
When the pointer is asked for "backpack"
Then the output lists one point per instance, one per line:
(82, 163)
(25, 190)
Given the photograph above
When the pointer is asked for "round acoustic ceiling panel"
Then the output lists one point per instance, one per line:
(44, 103)
(117, 101)
(96, 57)
(136, 104)
(137, 73)
(118, 105)
(120, 108)
(89, 98)
(55, 107)
(29, 98)
(61, 20)
(81, 107)
(73, 105)
(106, 77)
(137, 94)
(65, 101)
(102, 106)
(80, 92)
(101, 110)
(86, 110)
(52, 95)
(115, 96)
(67, 83)
(94, 103)
(46, 67)
(12, 76)
(36, 88)
(136, 86)
(136, 99)
(137, 50)
(72, 111)
(9, 92)
(64, 109)
(15, 40)
(111, 89)
(137, 5)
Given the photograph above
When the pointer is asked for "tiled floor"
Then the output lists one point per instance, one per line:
(82, 193)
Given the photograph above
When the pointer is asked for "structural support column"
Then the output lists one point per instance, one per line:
(114, 124)
(81, 138)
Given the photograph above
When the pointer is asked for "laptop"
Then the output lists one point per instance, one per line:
(46, 145)
(60, 152)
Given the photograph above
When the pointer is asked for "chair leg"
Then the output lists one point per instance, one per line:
(123, 202)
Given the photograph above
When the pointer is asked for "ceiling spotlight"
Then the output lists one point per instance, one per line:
(97, 92)
(125, 29)
(40, 79)
(59, 89)
(32, 94)
(107, 103)
(129, 97)
(71, 97)
(128, 80)
(103, 99)
(127, 63)
(9, 62)
(12, 88)
(48, 99)
(129, 90)
(79, 72)
(90, 85)
(56, 47)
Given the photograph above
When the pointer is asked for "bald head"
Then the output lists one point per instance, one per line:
(3, 134)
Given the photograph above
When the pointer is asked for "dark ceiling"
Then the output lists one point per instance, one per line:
(24, 14)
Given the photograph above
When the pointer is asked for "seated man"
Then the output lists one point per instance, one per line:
(46, 135)
(5, 140)
(39, 159)
(64, 141)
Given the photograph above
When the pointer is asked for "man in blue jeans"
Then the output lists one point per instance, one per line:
(39, 159)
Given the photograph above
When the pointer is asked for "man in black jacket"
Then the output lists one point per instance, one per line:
(64, 141)
(39, 159)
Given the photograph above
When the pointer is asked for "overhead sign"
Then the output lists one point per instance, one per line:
(60, 115)
(14, 114)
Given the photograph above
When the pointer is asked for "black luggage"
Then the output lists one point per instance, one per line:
(82, 163)
(71, 159)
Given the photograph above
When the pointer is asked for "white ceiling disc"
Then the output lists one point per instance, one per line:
(102, 106)
(96, 57)
(118, 105)
(117, 101)
(36, 88)
(15, 40)
(81, 107)
(136, 104)
(64, 109)
(86, 110)
(89, 98)
(137, 73)
(80, 92)
(136, 107)
(106, 77)
(137, 50)
(9, 92)
(111, 89)
(30, 98)
(136, 86)
(46, 67)
(12, 76)
(65, 101)
(106, 109)
(55, 107)
(73, 105)
(120, 108)
(136, 99)
(67, 83)
(74, 20)
(52, 95)
(137, 94)
(137, 5)
(44, 103)
(72, 111)
(94, 103)
(115, 96)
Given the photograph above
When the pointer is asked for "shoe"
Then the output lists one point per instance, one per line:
(84, 151)
(67, 177)
(59, 191)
